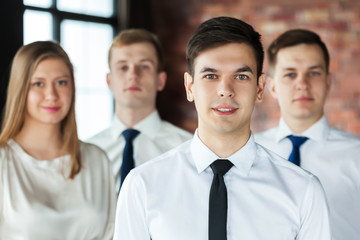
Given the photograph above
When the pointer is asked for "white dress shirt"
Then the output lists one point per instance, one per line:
(334, 157)
(37, 201)
(268, 198)
(156, 137)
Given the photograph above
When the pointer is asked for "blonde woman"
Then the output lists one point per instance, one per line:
(52, 186)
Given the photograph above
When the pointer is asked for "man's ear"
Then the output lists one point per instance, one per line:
(108, 80)
(272, 86)
(260, 88)
(188, 82)
(162, 77)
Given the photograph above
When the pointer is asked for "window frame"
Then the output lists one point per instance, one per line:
(59, 16)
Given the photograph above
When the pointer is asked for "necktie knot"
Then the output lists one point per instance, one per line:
(297, 141)
(221, 167)
(130, 134)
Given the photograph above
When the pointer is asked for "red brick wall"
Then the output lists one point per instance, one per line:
(337, 22)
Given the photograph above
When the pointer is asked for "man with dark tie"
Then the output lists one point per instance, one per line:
(299, 79)
(137, 134)
(222, 185)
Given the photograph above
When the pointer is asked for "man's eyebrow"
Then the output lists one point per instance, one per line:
(208, 69)
(310, 68)
(316, 66)
(120, 61)
(213, 70)
(147, 60)
(244, 69)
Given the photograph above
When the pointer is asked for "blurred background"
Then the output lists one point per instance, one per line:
(85, 29)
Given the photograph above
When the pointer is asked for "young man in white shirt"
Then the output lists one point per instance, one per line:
(222, 185)
(299, 79)
(136, 74)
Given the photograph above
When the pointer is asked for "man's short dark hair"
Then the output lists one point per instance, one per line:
(220, 31)
(292, 38)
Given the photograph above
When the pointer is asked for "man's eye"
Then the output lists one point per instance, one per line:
(241, 77)
(313, 74)
(144, 66)
(62, 82)
(123, 68)
(290, 75)
(210, 76)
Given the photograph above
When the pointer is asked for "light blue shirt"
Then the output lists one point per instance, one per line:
(334, 157)
(268, 198)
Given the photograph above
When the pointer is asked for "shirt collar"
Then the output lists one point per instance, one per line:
(319, 131)
(243, 159)
(148, 126)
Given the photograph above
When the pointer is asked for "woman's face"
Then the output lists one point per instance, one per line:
(50, 92)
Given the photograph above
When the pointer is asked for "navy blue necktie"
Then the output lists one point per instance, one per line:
(295, 153)
(128, 154)
(218, 200)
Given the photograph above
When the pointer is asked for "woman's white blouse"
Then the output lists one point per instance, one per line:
(38, 203)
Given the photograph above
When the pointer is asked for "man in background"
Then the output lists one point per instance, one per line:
(137, 133)
(299, 79)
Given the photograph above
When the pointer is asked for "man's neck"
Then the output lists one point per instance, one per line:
(131, 117)
(299, 126)
(225, 145)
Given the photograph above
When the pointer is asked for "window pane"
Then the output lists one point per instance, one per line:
(102, 8)
(32, 21)
(87, 45)
(38, 3)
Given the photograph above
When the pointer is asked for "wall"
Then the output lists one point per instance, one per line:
(337, 22)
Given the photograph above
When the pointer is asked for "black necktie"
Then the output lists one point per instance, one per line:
(218, 201)
(295, 153)
(128, 158)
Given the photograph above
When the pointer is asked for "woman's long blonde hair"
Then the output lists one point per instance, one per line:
(23, 66)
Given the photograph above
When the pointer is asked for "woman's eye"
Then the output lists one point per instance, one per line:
(38, 84)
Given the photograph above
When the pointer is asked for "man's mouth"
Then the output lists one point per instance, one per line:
(224, 109)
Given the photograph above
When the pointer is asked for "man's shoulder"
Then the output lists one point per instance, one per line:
(99, 137)
(267, 138)
(267, 134)
(165, 160)
(343, 143)
(281, 164)
(340, 135)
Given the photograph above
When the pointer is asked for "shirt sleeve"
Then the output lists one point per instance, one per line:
(130, 221)
(314, 213)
